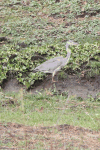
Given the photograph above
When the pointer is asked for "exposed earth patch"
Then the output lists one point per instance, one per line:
(75, 86)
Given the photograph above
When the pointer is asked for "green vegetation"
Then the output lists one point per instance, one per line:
(42, 29)
(45, 109)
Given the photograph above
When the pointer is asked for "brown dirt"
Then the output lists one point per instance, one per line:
(62, 137)
(75, 86)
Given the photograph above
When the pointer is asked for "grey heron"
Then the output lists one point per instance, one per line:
(55, 64)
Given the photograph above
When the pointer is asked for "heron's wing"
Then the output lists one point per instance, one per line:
(50, 65)
(54, 59)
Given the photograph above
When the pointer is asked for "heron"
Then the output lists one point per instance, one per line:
(55, 64)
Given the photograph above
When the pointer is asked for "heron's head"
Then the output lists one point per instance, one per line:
(70, 42)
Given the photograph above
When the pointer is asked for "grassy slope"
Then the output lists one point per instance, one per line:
(40, 26)
(45, 109)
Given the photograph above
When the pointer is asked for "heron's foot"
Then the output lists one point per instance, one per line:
(53, 81)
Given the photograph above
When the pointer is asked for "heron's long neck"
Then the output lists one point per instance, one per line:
(68, 53)
(68, 49)
(66, 59)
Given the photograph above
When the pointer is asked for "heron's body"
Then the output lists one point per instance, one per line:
(50, 65)
(55, 64)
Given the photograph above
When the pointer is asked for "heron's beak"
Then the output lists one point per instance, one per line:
(71, 42)
(75, 44)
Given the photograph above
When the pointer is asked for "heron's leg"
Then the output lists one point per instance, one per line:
(53, 75)
(53, 80)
